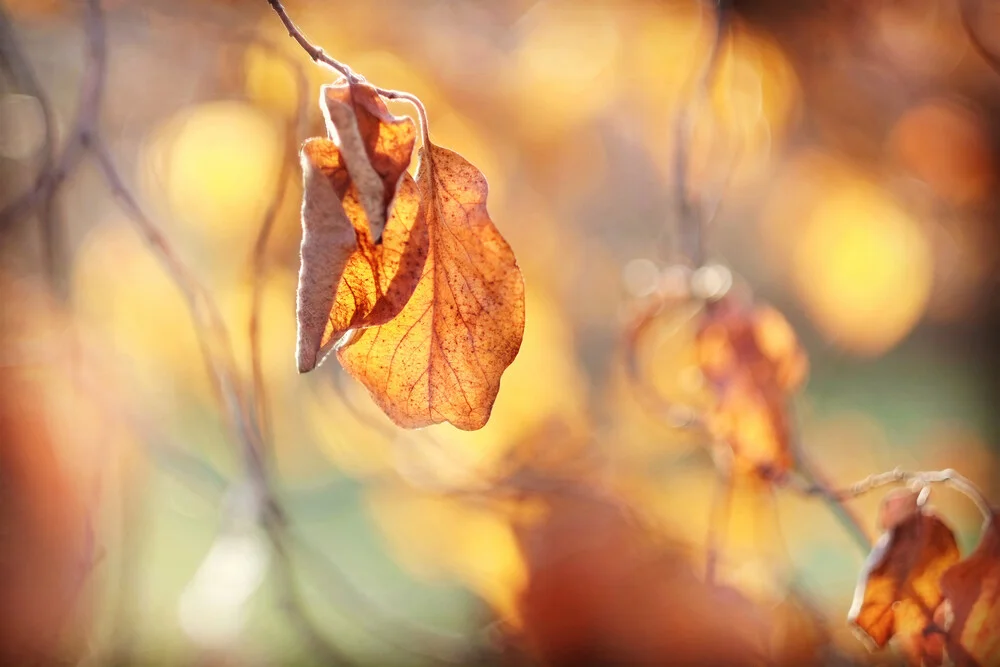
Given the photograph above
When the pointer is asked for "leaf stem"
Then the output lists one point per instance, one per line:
(319, 56)
(947, 477)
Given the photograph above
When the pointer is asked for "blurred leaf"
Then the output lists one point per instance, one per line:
(751, 358)
(601, 591)
(972, 590)
(442, 357)
(900, 586)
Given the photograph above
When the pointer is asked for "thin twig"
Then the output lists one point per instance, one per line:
(320, 56)
(316, 53)
(689, 216)
(808, 479)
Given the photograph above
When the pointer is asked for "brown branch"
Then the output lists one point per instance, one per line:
(319, 56)
(316, 53)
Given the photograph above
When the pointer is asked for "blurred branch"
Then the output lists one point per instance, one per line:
(405, 635)
(690, 216)
(212, 335)
(809, 480)
(676, 415)
(294, 128)
(17, 67)
(84, 127)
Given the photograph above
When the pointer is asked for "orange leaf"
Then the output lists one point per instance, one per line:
(376, 145)
(328, 239)
(348, 279)
(442, 357)
(972, 589)
(752, 361)
(900, 586)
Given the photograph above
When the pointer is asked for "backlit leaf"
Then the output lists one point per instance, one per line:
(900, 586)
(442, 357)
(376, 146)
(972, 590)
(348, 279)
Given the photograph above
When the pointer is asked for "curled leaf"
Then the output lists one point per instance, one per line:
(347, 278)
(328, 239)
(900, 585)
(752, 361)
(376, 146)
(441, 358)
(972, 592)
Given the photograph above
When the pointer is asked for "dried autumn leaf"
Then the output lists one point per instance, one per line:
(441, 358)
(376, 146)
(347, 279)
(900, 585)
(328, 239)
(752, 361)
(972, 590)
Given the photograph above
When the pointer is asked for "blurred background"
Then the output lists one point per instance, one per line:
(852, 148)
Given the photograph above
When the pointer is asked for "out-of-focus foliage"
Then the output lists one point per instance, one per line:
(849, 152)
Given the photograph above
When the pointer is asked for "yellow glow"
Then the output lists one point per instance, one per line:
(215, 166)
(439, 538)
(565, 66)
(271, 82)
(862, 267)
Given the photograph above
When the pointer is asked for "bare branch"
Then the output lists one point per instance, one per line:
(690, 217)
(319, 56)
